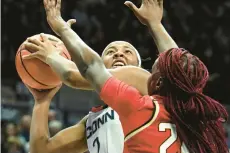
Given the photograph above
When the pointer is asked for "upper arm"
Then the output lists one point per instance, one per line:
(124, 99)
(75, 80)
(69, 140)
(133, 76)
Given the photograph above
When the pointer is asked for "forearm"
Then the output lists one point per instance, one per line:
(68, 140)
(39, 133)
(81, 53)
(67, 71)
(161, 37)
(87, 60)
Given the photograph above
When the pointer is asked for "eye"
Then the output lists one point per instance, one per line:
(128, 52)
(109, 52)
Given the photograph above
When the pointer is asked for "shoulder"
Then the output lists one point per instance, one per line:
(129, 69)
(159, 102)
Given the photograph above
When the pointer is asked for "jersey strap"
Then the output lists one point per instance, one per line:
(146, 124)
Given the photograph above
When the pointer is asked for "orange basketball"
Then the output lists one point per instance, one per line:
(36, 73)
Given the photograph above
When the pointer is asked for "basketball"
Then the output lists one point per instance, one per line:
(34, 72)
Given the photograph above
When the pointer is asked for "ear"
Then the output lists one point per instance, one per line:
(159, 83)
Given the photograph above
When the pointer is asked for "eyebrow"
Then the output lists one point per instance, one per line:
(127, 47)
(111, 47)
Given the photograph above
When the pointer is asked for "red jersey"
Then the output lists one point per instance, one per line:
(146, 124)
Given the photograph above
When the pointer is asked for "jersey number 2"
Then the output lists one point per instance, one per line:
(96, 142)
(162, 128)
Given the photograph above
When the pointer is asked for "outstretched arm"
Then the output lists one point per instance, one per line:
(161, 37)
(69, 140)
(150, 14)
(88, 61)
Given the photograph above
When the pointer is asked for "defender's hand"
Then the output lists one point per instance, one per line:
(43, 48)
(151, 11)
(43, 95)
(53, 15)
(70, 22)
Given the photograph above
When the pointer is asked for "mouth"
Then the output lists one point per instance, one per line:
(118, 63)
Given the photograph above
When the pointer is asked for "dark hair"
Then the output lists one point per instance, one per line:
(198, 118)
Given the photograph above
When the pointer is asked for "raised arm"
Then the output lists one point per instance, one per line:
(150, 14)
(88, 61)
(70, 140)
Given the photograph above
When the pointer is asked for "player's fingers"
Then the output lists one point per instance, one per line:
(70, 22)
(30, 89)
(55, 90)
(44, 37)
(31, 47)
(160, 2)
(58, 5)
(33, 55)
(146, 1)
(46, 4)
(34, 41)
(131, 6)
(52, 3)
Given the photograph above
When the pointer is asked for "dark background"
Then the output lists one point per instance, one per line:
(201, 26)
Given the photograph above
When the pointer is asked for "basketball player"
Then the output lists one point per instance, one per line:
(101, 121)
(175, 112)
(117, 50)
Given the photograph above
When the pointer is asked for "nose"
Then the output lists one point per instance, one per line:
(119, 54)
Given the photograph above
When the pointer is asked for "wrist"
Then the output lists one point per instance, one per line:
(57, 24)
(51, 57)
(39, 102)
(63, 30)
(154, 25)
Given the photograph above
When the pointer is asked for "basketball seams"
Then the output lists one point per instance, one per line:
(27, 70)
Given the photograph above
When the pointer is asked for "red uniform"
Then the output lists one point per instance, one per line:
(146, 124)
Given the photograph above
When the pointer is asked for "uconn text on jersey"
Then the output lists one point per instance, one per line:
(99, 122)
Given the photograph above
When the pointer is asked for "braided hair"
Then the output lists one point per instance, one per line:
(198, 117)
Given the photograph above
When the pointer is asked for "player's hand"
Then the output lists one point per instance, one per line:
(41, 48)
(53, 15)
(70, 22)
(43, 95)
(83, 121)
(151, 11)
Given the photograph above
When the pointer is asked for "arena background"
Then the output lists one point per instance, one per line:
(199, 26)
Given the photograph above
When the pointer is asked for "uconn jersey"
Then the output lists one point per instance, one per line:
(104, 132)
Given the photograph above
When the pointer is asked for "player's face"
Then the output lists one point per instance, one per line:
(119, 53)
(154, 79)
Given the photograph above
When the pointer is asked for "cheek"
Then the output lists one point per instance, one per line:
(107, 61)
(151, 85)
(132, 61)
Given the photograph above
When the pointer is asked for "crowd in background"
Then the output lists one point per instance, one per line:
(202, 27)
(15, 134)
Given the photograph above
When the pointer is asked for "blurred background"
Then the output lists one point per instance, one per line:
(201, 26)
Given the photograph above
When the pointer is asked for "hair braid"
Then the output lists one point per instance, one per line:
(198, 117)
